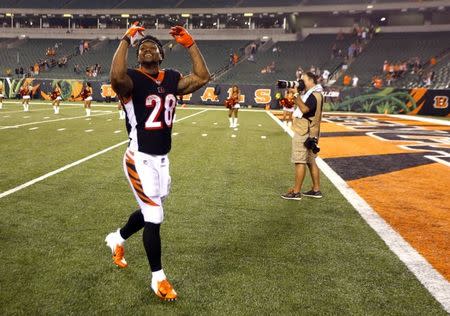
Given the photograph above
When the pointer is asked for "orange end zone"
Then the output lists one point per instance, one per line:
(414, 202)
(410, 192)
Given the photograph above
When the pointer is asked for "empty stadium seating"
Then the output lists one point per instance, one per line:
(314, 50)
(216, 53)
(442, 73)
(147, 4)
(100, 4)
(80, 4)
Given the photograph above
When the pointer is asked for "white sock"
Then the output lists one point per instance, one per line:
(88, 112)
(231, 121)
(289, 124)
(120, 239)
(235, 122)
(27, 107)
(157, 276)
(1, 105)
(57, 110)
(24, 107)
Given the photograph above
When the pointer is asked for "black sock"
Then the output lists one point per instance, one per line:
(134, 224)
(152, 245)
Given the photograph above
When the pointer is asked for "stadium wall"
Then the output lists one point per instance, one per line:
(420, 101)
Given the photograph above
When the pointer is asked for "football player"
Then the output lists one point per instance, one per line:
(87, 97)
(56, 98)
(1, 94)
(149, 97)
(25, 92)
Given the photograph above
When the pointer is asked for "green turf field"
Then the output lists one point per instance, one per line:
(231, 245)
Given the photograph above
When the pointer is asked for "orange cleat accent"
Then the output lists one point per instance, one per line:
(165, 291)
(114, 242)
(118, 257)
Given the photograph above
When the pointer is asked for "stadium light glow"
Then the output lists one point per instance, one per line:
(124, 15)
(67, 15)
(185, 15)
(383, 19)
(9, 14)
(248, 14)
(370, 6)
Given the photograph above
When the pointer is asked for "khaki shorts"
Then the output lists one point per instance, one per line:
(300, 154)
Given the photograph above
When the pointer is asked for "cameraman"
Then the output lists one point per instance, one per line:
(306, 126)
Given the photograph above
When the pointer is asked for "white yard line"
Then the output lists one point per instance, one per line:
(55, 120)
(50, 109)
(73, 164)
(421, 119)
(433, 281)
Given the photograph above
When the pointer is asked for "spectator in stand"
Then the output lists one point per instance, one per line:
(325, 76)
(371, 31)
(391, 69)
(85, 46)
(433, 61)
(334, 51)
(347, 80)
(235, 58)
(396, 70)
(351, 52)
(430, 78)
(276, 50)
(388, 79)
(76, 68)
(364, 35)
(403, 68)
(340, 35)
(299, 73)
(355, 80)
(378, 82)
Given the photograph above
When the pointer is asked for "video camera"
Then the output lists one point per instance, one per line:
(285, 84)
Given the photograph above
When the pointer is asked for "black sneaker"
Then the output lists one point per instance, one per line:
(313, 194)
(291, 195)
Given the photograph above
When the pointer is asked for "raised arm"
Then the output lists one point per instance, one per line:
(120, 81)
(200, 74)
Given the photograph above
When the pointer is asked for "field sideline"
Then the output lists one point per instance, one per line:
(231, 245)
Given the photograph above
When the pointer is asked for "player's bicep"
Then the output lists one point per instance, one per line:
(122, 86)
(188, 84)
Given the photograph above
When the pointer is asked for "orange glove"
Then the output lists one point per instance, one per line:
(181, 36)
(134, 33)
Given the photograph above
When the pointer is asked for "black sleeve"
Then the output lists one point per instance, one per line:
(311, 103)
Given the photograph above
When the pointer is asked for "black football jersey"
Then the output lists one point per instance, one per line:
(151, 110)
